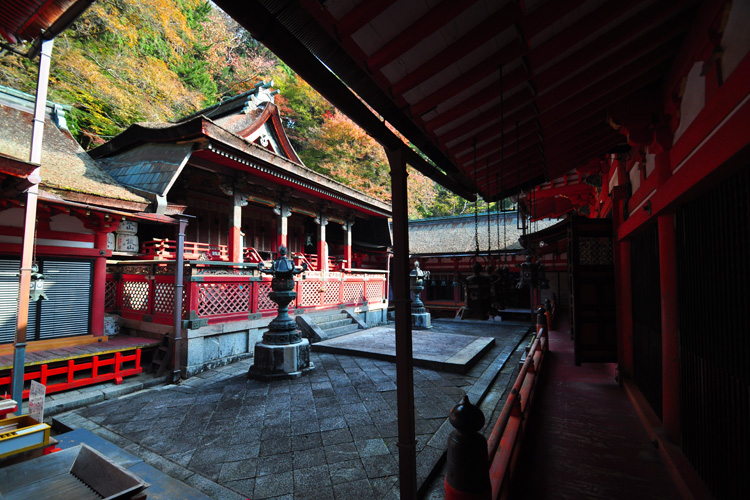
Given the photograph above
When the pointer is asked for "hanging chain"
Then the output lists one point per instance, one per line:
(489, 238)
(476, 202)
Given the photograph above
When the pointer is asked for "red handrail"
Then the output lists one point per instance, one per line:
(504, 442)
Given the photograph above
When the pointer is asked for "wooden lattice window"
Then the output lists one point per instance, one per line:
(223, 298)
(110, 295)
(135, 295)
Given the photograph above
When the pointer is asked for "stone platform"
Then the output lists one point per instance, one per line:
(440, 348)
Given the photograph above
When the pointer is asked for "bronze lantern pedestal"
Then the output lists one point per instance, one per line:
(283, 353)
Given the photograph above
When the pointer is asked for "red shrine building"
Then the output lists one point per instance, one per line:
(107, 228)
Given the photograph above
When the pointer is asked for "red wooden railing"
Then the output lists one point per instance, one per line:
(503, 445)
(211, 299)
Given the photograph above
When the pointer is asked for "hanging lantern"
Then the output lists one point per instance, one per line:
(36, 287)
(529, 274)
(542, 278)
(478, 293)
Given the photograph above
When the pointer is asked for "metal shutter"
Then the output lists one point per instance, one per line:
(9, 270)
(68, 288)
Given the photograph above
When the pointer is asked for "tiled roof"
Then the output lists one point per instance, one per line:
(65, 165)
(456, 235)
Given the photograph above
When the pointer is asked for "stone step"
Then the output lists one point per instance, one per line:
(327, 325)
(324, 317)
(342, 330)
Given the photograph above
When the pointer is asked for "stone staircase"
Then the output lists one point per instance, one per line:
(328, 325)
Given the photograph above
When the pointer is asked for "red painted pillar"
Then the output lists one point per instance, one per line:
(669, 329)
(623, 287)
(99, 284)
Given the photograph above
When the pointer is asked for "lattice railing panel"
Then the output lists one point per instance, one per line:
(164, 298)
(223, 298)
(135, 295)
(374, 291)
(331, 295)
(264, 301)
(310, 293)
(110, 296)
(354, 292)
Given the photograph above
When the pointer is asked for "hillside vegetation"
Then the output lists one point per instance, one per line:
(127, 61)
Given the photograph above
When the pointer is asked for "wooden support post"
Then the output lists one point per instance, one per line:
(407, 445)
(282, 211)
(669, 329)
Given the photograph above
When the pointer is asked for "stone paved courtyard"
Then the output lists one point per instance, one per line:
(330, 434)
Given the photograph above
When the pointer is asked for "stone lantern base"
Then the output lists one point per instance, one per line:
(281, 361)
(421, 321)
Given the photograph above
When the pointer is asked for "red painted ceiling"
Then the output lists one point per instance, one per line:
(498, 94)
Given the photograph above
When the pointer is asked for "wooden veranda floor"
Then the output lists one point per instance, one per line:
(109, 346)
(584, 439)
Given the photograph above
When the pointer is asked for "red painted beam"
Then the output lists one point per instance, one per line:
(528, 135)
(479, 72)
(480, 34)
(630, 68)
(519, 99)
(598, 97)
(492, 131)
(480, 124)
(537, 21)
(436, 18)
(609, 12)
(652, 18)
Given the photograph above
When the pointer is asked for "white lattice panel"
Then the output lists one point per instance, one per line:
(135, 295)
(374, 291)
(164, 298)
(310, 294)
(353, 292)
(223, 298)
(331, 295)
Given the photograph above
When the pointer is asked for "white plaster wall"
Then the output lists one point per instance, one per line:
(12, 217)
(736, 38)
(693, 99)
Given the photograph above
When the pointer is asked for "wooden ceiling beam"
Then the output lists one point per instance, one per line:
(657, 16)
(488, 122)
(525, 128)
(360, 15)
(597, 98)
(611, 71)
(436, 18)
(516, 101)
(607, 13)
(479, 72)
(542, 18)
(480, 34)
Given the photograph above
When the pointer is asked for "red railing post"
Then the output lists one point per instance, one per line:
(467, 475)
